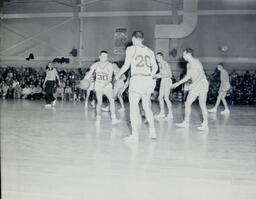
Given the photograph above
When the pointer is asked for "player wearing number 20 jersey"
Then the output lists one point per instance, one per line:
(142, 59)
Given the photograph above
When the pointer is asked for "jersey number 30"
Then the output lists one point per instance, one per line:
(143, 61)
(102, 77)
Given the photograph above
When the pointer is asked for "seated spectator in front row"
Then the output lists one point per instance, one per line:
(17, 92)
(5, 89)
(37, 92)
(26, 92)
(60, 91)
(68, 93)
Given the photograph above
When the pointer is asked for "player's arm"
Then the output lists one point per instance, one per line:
(153, 63)
(183, 80)
(46, 78)
(57, 75)
(91, 71)
(126, 83)
(127, 63)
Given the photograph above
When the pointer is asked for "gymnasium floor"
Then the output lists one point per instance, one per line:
(60, 154)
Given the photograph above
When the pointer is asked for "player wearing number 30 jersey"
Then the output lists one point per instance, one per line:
(103, 84)
(141, 60)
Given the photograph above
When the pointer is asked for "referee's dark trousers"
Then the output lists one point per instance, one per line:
(49, 89)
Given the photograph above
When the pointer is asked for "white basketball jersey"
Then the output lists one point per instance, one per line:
(141, 61)
(104, 72)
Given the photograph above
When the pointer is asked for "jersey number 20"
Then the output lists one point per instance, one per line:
(143, 61)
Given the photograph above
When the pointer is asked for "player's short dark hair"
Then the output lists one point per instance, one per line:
(138, 34)
(160, 53)
(221, 64)
(103, 52)
(189, 50)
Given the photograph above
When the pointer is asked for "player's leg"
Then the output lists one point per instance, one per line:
(134, 99)
(108, 91)
(214, 109)
(146, 103)
(223, 98)
(120, 98)
(161, 101)
(202, 103)
(88, 92)
(99, 95)
(190, 99)
(168, 102)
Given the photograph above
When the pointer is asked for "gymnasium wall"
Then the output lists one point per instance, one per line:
(211, 32)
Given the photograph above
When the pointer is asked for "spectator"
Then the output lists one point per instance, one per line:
(68, 93)
(60, 91)
(26, 92)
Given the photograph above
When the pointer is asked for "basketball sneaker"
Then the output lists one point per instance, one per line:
(115, 121)
(203, 127)
(132, 138)
(54, 102)
(152, 133)
(183, 124)
(169, 117)
(213, 110)
(106, 109)
(160, 115)
(121, 110)
(48, 106)
(225, 112)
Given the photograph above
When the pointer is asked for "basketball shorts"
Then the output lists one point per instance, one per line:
(142, 85)
(165, 87)
(199, 87)
(118, 87)
(92, 86)
(224, 88)
(107, 90)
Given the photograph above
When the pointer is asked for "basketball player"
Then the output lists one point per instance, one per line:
(165, 75)
(104, 71)
(224, 87)
(198, 88)
(119, 87)
(90, 89)
(49, 84)
(143, 66)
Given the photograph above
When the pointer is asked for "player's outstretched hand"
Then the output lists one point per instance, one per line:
(175, 85)
(156, 76)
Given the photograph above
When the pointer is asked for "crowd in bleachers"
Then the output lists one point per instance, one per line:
(27, 83)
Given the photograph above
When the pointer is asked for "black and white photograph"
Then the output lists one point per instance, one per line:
(128, 99)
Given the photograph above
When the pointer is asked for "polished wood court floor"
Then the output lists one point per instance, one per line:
(61, 154)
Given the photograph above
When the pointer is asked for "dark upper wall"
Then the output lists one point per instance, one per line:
(236, 31)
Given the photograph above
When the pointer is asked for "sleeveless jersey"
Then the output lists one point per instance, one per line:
(164, 68)
(104, 72)
(141, 61)
(196, 72)
(225, 84)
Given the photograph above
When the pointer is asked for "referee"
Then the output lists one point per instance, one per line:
(49, 84)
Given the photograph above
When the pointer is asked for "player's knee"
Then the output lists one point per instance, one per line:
(166, 98)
